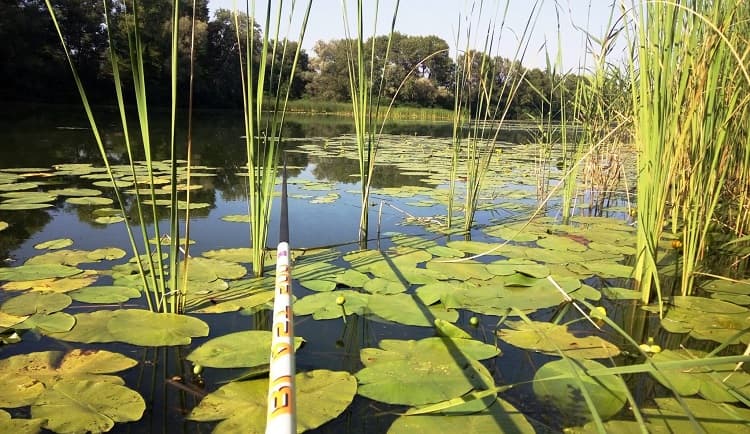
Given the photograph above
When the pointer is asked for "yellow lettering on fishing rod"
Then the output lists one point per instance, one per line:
(281, 396)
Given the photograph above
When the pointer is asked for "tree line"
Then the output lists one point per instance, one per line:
(419, 70)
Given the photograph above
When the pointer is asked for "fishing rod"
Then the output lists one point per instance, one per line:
(281, 416)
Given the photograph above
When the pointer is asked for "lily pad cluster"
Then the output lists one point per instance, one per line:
(69, 392)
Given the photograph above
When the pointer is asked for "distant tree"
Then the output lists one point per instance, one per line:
(331, 76)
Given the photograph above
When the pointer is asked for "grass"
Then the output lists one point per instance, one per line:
(334, 108)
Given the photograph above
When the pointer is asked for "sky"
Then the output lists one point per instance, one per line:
(442, 18)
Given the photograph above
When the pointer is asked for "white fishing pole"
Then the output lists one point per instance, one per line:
(282, 408)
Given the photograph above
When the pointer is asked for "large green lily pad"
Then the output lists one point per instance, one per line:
(89, 328)
(105, 294)
(714, 418)
(35, 302)
(706, 318)
(321, 396)
(423, 372)
(711, 382)
(552, 339)
(57, 322)
(87, 406)
(55, 244)
(34, 272)
(19, 426)
(499, 417)
(608, 393)
(141, 327)
(245, 349)
(25, 376)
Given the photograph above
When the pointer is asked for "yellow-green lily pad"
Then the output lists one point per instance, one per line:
(550, 338)
(245, 349)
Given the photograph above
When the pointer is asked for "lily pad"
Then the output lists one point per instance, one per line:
(706, 318)
(59, 243)
(87, 406)
(422, 372)
(322, 395)
(89, 200)
(25, 376)
(323, 304)
(245, 349)
(499, 417)
(19, 426)
(76, 192)
(550, 338)
(141, 327)
(89, 328)
(105, 294)
(712, 382)
(57, 322)
(608, 393)
(34, 302)
(11, 206)
(714, 418)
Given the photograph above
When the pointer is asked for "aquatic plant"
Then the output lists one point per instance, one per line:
(366, 99)
(263, 132)
(689, 93)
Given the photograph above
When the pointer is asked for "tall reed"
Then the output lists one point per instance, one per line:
(366, 98)
(487, 101)
(690, 103)
(161, 294)
(263, 131)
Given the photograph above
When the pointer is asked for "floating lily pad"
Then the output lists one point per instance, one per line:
(499, 417)
(25, 376)
(64, 284)
(318, 285)
(608, 393)
(352, 279)
(421, 372)
(89, 200)
(609, 269)
(244, 349)
(76, 192)
(89, 328)
(19, 426)
(108, 220)
(59, 243)
(18, 186)
(706, 318)
(241, 254)
(34, 302)
(57, 322)
(323, 304)
(105, 294)
(550, 338)
(714, 418)
(7, 320)
(712, 382)
(561, 243)
(141, 327)
(237, 218)
(11, 206)
(249, 302)
(28, 197)
(321, 396)
(87, 406)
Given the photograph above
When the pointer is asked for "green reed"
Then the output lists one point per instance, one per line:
(161, 294)
(366, 99)
(475, 137)
(690, 102)
(263, 131)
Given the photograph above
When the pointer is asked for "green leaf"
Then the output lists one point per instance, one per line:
(105, 294)
(322, 395)
(87, 406)
(499, 417)
(19, 426)
(35, 272)
(34, 302)
(608, 393)
(144, 328)
(89, 200)
(712, 417)
(59, 243)
(550, 338)
(244, 349)
(53, 323)
(323, 304)
(88, 328)
(318, 285)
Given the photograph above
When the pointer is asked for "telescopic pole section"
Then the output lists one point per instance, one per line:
(282, 408)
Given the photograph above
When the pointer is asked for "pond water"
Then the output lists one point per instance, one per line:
(408, 207)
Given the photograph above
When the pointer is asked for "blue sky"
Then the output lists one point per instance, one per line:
(441, 18)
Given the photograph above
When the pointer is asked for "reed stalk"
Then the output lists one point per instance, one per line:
(487, 102)
(263, 131)
(690, 101)
(161, 294)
